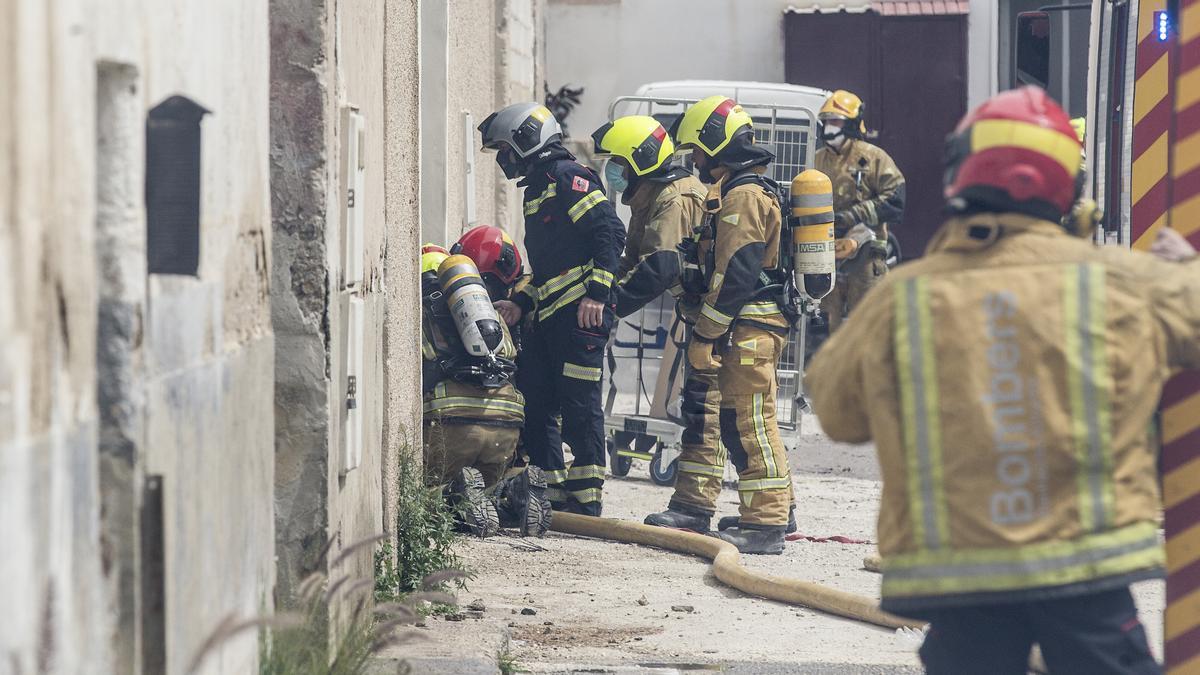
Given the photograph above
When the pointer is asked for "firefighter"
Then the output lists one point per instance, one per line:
(868, 196)
(666, 204)
(574, 240)
(1008, 380)
(472, 412)
(738, 334)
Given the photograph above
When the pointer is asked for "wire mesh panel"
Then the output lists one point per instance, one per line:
(787, 131)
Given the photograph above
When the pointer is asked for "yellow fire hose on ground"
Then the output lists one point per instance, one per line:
(728, 569)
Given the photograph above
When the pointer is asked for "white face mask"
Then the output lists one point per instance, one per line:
(836, 142)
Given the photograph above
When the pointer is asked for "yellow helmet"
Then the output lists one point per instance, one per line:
(710, 124)
(638, 139)
(844, 105)
(432, 259)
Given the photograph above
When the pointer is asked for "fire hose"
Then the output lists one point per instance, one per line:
(727, 567)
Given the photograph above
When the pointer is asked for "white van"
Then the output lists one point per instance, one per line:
(642, 407)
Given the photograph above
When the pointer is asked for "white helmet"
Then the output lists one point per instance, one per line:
(523, 128)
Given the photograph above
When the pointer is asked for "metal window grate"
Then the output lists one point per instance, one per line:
(173, 187)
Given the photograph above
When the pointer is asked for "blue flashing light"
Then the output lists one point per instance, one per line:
(1162, 20)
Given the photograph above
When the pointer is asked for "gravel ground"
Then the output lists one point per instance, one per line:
(565, 604)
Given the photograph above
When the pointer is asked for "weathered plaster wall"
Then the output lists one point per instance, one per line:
(325, 56)
(401, 348)
(185, 361)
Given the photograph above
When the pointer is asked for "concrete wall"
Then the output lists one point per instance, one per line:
(108, 376)
(611, 47)
(325, 56)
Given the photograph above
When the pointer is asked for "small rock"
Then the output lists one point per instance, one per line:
(514, 611)
(512, 624)
(710, 651)
(643, 601)
(456, 616)
(612, 641)
(683, 608)
(477, 606)
(472, 614)
(421, 624)
(545, 631)
(547, 623)
(529, 611)
(637, 638)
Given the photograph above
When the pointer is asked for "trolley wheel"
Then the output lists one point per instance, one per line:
(663, 475)
(619, 465)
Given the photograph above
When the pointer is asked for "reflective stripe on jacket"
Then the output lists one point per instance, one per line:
(1008, 380)
(572, 234)
(747, 223)
(457, 401)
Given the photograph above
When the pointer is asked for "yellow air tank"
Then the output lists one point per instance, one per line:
(477, 322)
(812, 233)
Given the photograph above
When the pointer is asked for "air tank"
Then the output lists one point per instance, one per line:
(811, 223)
(477, 322)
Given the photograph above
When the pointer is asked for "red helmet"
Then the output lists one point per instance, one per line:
(1016, 152)
(494, 253)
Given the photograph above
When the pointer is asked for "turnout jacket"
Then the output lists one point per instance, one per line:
(739, 246)
(867, 186)
(1008, 380)
(663, 214)
(572, 234)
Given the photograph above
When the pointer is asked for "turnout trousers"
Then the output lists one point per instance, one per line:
(703, 453)
(854, 279)
(749, 431)
(559, 373)
(452, 445)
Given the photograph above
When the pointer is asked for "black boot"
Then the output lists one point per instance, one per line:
(755, 539)
(680, 518)
(727, 522)
(476, 510)
(522, 504)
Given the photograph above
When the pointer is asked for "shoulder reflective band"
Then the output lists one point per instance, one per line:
(584, 205)
(1052, 563)
(579, 372)
(1088, 384)
(532, 206)
(917, 368)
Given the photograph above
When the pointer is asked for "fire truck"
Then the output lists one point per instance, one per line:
(1142, 109)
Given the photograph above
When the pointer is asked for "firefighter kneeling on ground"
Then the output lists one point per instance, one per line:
(574, 239)
(868, 196)
(739, 333)
(472, 412)
(1008, 380)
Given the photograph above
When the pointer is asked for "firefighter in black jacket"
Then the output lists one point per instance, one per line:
(574, 240)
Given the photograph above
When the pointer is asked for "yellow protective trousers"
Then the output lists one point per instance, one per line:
(747, 384)
(702, 456)
(451, 446)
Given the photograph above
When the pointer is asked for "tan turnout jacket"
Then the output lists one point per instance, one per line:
(1008, 380)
